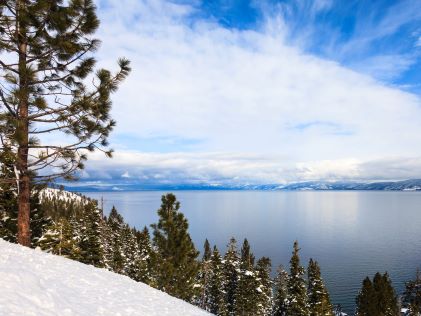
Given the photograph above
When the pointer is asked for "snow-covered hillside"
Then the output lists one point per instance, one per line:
(36, 283)
(62, 195)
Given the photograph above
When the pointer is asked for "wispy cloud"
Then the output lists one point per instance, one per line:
(214, 103)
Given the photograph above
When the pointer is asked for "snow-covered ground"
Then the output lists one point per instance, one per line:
(37, 283)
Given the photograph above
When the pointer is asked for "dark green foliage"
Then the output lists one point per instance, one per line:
(216, 298)
(264, 289)
(231, 267)
(377, 298)
(281, 293)
(412, 295)
(60, 239)
(366, 299)
(49, 85)
(297, 301)
(144, 258)
(203, 279)
(51, 73)
(175, 259)
(246, 295)
(115, 254)
(90, 242)
(318, 296)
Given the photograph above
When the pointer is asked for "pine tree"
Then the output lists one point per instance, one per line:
(216, 297)
(377, 298)
(281, 293)
(176, 255)
(367, 300)
(386, 297)
(204, 278)
(144, 260)
(231, 266)
(246, 296)
(59, 239)
(130, 252)
(264, 289)
(412, 295)
(115, 255)
(90, 241)
(46, 88)
(318, 295)
(297, 301)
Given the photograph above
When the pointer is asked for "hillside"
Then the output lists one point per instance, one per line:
(36, 283)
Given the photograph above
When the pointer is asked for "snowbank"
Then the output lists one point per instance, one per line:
(37, 283)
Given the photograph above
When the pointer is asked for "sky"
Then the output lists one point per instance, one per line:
(244, 92)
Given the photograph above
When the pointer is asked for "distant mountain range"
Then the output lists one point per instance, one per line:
(407, 185)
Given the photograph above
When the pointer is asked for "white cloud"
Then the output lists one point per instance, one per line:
(243, 168)
(249, 94)
(125, 175)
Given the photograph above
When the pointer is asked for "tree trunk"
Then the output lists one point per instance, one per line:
(24, 192)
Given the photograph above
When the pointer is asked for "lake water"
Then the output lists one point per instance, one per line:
(352, 234)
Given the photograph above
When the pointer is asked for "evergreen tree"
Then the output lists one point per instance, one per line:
(90, 241)
(281, 293)
(377, 298)
(46, 88)
(366, 299)
(412, 295)
(386, 297)
(231, 266)
(297, 301)
(264, 289)
(204, 278)
(318, 295)
(144, 260)
(176, 263)
(130, 252)
(216, 297)
(115, 254)
(59, 239)
(246, 298)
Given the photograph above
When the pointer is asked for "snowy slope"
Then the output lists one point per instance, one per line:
(36, 283)
(61, 195)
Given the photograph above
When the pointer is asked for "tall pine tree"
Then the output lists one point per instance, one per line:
(318, 296)
(264, 289)
(175, 259)
(280, 298)
(216, 294)
(231, 268)
(246, 295)
(50, 86)
(297, 300)
(204, 278)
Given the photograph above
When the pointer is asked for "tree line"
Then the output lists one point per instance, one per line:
(230, 283)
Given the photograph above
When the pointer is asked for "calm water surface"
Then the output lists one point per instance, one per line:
(352, 234)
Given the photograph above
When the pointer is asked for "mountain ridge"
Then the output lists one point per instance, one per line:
(404, 185)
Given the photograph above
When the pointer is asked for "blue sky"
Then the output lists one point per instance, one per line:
(385, 33)
(263, 91)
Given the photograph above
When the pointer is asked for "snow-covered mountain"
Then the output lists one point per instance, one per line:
(37, 283)
(407, 185)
